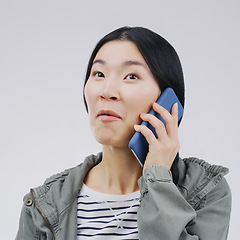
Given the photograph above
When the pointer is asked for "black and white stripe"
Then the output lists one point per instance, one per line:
(106, 216)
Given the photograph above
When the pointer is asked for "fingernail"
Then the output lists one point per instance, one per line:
(136, 127)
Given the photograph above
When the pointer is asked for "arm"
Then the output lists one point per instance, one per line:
(26, 228)
(165, 214)
(32, 224)
(213, 218)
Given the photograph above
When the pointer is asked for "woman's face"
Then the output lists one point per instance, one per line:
(119, 88)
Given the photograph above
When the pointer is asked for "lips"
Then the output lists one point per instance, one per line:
(108, 115)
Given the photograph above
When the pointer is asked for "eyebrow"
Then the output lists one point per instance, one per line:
(137, 63)
(126, 63)
(99, 61)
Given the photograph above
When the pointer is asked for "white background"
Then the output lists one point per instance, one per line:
(44, 49)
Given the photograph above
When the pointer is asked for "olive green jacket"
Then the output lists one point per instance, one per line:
(197, 208)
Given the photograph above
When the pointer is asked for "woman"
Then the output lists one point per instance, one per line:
(109, 196)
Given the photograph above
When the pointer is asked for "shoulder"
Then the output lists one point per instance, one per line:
(69, 181)
(79, 170)
(199, 179)
(196, 169)
(55, 195)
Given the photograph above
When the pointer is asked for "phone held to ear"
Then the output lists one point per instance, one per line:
(138, 144)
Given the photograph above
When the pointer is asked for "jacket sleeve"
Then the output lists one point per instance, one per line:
(165, 214)
(26, 230)
(31, 224)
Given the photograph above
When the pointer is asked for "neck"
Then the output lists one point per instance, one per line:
(117, 173)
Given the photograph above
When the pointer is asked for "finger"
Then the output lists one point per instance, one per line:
(174, 128)
(170, 119)
(165, 114)
(174, 111)
(146, 132)
(157, 124)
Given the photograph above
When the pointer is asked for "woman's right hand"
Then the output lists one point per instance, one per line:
(164, 148)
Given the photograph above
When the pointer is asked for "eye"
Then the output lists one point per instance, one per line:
(132, 76)
(98, 74)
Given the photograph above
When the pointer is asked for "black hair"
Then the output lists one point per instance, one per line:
(161, 59)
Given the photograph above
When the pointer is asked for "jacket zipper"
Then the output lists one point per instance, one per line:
(46, 221)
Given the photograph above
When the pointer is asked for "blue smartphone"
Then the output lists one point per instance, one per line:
(138, 144)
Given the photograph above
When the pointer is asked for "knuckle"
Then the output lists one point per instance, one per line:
(160, 124)
(147, 132)
(171, 121)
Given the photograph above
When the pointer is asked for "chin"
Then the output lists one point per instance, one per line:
(106, 136)
(113, 142)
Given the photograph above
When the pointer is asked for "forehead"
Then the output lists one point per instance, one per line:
(119, 51)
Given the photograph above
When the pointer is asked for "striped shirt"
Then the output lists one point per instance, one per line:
(107, 216)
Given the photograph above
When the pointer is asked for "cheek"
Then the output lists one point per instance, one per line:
(90, 101)
(142, 102)
(90, 95)
(136, 106)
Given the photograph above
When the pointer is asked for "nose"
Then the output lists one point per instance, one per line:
(110, 90)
